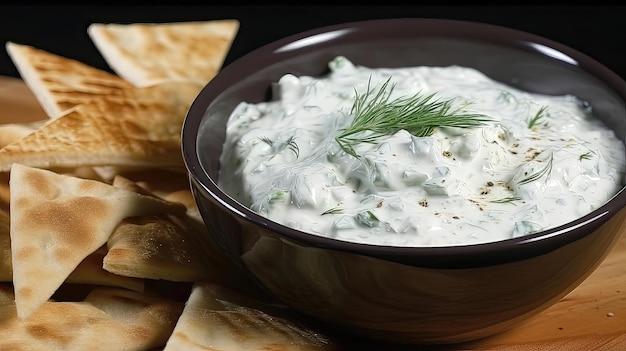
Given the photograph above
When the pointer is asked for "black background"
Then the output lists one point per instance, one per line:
(598, 31)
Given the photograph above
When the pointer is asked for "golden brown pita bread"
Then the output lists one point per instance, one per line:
(58, 220)
(154, 247)
(142, 131)
(108, 319)
(89, 271)
(61, 83)
(168, 247)
(219, 321)
(11, 132)
(150, 53)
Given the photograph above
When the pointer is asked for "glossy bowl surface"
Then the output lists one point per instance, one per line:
(407, 294)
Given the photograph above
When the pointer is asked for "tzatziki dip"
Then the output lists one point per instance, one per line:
(348, 156)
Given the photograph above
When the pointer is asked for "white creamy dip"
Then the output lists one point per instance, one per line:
(457, 186)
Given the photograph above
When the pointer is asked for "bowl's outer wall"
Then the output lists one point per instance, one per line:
(443, 294)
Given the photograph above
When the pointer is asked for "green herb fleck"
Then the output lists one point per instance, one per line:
(368, 218)
(418, 114)
(277, 196)
(545, 170)
(586, 156)
(266, 140)
(507, 97)
(508, 199)
(542, 113)
(290, 144)
(334, 210)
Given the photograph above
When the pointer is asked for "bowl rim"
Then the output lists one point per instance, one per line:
(502, 251)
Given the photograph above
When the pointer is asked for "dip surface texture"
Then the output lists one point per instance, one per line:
(539, 162)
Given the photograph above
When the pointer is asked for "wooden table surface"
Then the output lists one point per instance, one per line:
(591, 318)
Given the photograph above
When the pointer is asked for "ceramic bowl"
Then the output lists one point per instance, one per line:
(417, 295)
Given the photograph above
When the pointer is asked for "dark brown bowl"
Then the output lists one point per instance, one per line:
(407, 294)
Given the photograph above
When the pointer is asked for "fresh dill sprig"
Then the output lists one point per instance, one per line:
(542, 113)
(547, 169)
(418, 114)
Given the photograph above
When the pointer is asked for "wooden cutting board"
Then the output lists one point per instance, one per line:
(591, 318)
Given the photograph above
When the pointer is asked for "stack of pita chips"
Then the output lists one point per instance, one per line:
(113, 124)
(95, 200)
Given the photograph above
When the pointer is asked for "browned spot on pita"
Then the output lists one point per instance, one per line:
(38, 183)
(46, 332)
(26, 292)
(71, 219)
(26, 252)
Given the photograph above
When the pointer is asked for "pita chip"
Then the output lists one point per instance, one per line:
(11, 132)
(150, 53)
(138, 132)
(154, 247)
(166, 247)
(220, 322)
(57, 220)
(89, 271)
(60, 83)
(107, 319)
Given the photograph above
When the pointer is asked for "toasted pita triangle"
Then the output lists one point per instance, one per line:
(154, 247)
(164, 247)
(142, 131)
(89, 271)
(61, 83)
(209, 322)
(57, 220)
(108, 319)
(11, 132)
(150, 53)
